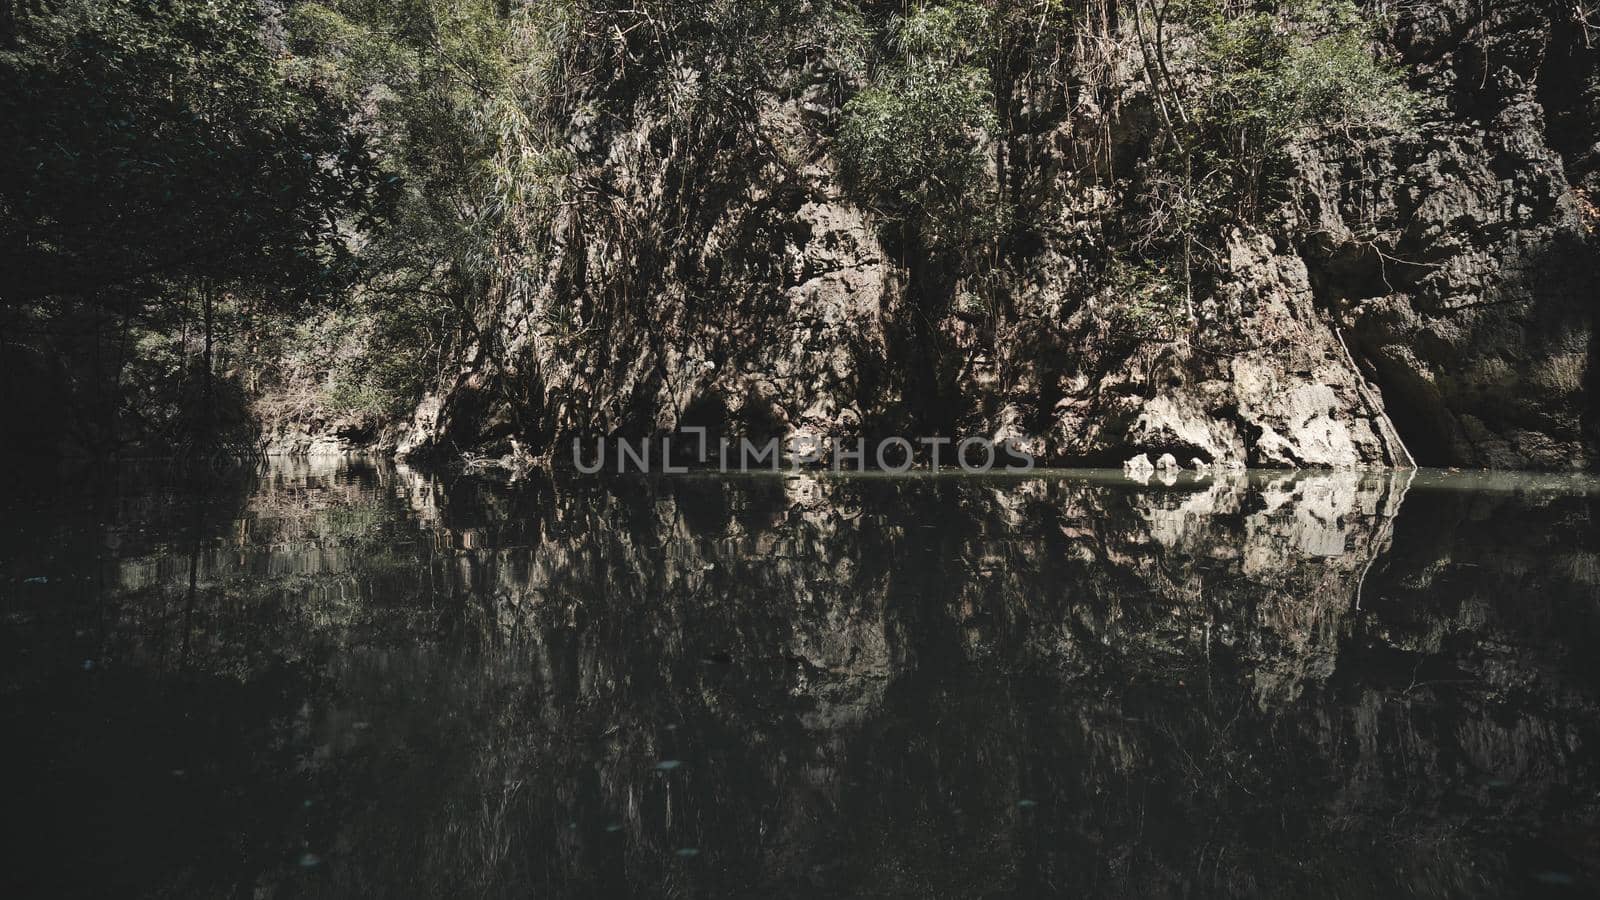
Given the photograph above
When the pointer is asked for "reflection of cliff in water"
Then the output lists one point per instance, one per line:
(383, 682)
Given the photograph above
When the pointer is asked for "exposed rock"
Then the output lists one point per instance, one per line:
(1456, 259)
(325, 439)
(1475, 315)
(1139, 468)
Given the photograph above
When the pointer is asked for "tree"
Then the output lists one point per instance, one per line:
(157, 142)
(912, 141)
(156, 160)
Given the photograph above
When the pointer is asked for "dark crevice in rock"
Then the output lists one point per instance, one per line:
(1415, 410)
(1569, 91)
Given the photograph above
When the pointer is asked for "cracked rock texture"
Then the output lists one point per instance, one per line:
(1427, 295)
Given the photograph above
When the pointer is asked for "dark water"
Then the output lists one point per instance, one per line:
(367, 681)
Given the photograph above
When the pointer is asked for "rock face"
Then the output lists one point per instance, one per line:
(1423, 297)
(1479, 325)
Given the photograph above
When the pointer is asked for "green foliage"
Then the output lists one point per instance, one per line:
(156, 143)
(912, 142)
(162, 166)
(1268, 76)
(463, 92)
(1307, 65)
(387, 356)
(1148, 301)
(947, 35)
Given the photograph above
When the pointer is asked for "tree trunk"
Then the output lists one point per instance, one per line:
(208, 418)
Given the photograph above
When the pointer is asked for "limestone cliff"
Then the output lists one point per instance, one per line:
(1425, 293)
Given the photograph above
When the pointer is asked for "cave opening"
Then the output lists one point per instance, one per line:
(1419, 417)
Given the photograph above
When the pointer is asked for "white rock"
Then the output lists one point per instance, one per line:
(1139, 468)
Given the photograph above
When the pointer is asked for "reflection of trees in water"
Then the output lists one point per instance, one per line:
(903, 685)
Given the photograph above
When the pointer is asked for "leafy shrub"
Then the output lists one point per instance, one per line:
(463, 92)
(912, 142)
(1267, 76)
(1147, 302)
(1309, 64)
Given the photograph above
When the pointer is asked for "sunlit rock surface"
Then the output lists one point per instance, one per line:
(1420, 293)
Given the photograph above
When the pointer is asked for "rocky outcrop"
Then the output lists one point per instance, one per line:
(319, 439)
(1473, 309)
(1425, 297)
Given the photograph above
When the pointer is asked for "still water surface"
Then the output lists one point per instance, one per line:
(360, 680)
